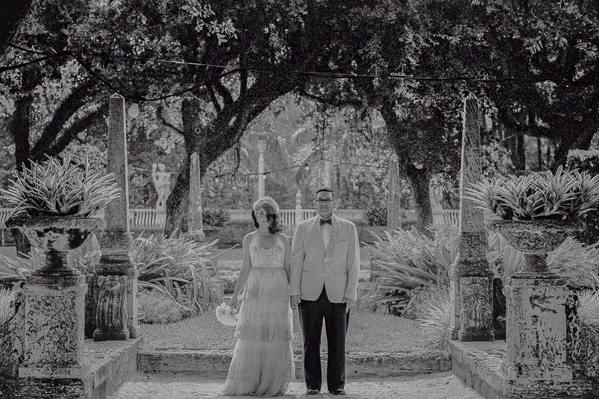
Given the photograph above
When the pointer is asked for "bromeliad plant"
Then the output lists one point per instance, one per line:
(56, 188)
(540, 195)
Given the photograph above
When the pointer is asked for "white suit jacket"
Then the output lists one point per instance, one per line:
(314, 267)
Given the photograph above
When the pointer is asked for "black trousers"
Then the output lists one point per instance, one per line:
(311, 315)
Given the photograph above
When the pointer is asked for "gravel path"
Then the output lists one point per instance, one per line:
(430, 386)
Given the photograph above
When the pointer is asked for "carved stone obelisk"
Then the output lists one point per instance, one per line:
(394, 204)
(116, 284)
(196, 223)
(471, 294)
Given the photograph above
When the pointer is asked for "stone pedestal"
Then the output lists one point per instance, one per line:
(117, 268)
(536, 329)
(471, 290)
(111, 310)
(54, 324)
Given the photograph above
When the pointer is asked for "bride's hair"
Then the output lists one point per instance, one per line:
(274, 226)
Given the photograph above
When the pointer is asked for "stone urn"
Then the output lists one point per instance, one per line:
(535, 238)
(56, 236)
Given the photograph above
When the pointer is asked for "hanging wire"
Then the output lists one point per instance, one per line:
(332, 75)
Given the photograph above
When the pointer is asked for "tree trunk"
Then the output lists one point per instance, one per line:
(419, 180)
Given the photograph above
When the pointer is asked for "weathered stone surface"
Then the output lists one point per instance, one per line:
(116, 240)
(111, 310)
(534, 236)
(54, 323)
(117, 211)
(11, 340)
(536, 330)
(196, 223)
(479, 365)
(471, 271)
(393, 204)
(582, 344)
(108, 365)
(357, 364)
(475, 302)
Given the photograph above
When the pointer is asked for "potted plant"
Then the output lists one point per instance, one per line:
(56, 206)
(538, 211)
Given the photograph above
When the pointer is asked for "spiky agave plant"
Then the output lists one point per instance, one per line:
(539, 195)
(55, 188)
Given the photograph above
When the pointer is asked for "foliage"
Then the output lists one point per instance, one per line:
(179, 268)
(539, 195)
(14, 269)
(588, 308)
(153, 307)
(435, 320)
(573, 260)
(7, 297)
(215, 217)
(586, 161)
(55, 188)
(403, 261)
(377, 216)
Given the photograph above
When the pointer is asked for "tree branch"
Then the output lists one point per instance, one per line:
(80, 125)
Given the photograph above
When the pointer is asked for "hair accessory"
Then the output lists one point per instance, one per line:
(269, 205)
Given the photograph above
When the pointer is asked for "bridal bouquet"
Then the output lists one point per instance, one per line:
(226, 315)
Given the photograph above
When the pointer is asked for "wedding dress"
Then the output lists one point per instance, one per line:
(262, 363)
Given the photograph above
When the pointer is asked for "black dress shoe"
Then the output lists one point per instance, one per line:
(337, 392)
(312, 392)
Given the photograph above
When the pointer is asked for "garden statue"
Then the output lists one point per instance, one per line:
(162, 184)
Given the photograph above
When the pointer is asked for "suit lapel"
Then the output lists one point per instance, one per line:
(334, 234)
(317, 234)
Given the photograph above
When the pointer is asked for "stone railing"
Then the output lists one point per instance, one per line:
(150, 219)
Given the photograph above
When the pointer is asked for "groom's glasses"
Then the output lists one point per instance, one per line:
(325, 200)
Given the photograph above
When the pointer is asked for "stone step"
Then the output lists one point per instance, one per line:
(216, 363)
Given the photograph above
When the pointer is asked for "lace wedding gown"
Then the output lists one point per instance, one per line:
(262, 361)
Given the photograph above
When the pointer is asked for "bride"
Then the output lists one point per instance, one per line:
(262, 363)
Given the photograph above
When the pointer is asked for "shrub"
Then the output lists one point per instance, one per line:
(215, 217)
(55, 188)
(588, 309)
(435, 320)
(179, 268)
(539, 195)
(402, 262)
(377, 216)
(577, 262)
(7, 297)
(153, 307)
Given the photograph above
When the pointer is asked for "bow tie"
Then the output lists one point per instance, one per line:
(326, 221)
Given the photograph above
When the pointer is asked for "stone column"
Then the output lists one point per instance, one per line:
(261, 175)
(471, 288)
(394, 202)
(196, 223)
(116, 282)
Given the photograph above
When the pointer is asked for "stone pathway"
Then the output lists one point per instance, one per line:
(425, 386)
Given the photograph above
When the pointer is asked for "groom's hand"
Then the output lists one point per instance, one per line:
(350, 303)
(295, 299)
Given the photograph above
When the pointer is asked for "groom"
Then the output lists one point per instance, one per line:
(325, 261)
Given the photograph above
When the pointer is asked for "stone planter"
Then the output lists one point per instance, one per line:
(536, 324)
(54, 298)
(56, 236)
(535, 238)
